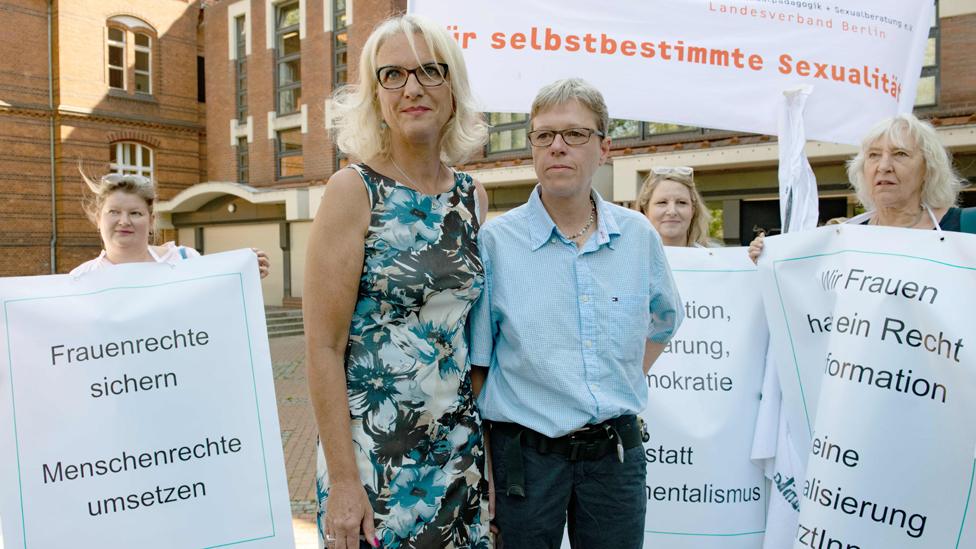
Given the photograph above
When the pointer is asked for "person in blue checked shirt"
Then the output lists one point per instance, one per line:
(578, 303)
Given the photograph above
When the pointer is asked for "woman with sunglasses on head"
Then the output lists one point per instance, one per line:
(121, 207)
(673, 205)
(392, 271)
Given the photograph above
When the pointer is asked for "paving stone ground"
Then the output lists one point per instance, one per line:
(298, 434)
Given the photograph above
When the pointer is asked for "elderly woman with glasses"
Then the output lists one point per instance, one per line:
(391, 273)
(671, 202)
(121, 206)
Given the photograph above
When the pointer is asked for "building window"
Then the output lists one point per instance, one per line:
(340, 40)
(659, 128)
(240, 67)
(143, 69)
(288, 58)
(131, 158)
(624, 129)
(927, 94)
(288, 154)
(242, 175)
(201, 80)
(129, 54)
(508, 132)
(116, 58)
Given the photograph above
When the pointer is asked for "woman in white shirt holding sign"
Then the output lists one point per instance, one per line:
(121, 207)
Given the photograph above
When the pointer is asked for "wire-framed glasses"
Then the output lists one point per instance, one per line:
(571, 136)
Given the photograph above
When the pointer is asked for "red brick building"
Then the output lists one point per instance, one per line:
(108, 83)
(248, 169)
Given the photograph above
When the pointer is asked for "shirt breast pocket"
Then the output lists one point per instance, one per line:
(628, 321)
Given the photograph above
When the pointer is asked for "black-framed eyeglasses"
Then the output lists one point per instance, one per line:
(571, 136)
(392, 77)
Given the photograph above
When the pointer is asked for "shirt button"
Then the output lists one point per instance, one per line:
(553, 240)
(585, 298)
(588, 343)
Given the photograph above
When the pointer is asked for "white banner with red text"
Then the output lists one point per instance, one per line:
(711, 63)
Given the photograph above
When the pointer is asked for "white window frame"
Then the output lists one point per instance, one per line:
(328, 15)
(109, 44)
(235, 10)
(278, 156)
(271, 18)
(279, 59)
(123, 165)
(148, 51)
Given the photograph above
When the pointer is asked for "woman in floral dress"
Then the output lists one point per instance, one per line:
(392, 270)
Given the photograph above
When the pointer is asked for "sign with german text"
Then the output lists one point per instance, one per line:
(709, 63)
(703, 491)
(137, 409)
(872, 333)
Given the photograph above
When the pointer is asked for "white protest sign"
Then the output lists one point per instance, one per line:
(703, 491)
(716, 64)
(137, 409)
(871, 328)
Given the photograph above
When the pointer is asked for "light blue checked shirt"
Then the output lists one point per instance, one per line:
(562, 331)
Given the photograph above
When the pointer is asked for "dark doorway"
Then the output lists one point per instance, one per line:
(763, 215)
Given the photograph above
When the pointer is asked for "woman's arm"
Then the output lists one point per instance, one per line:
(756, 247)
(482, 201)
(264, 263)
(333, 266)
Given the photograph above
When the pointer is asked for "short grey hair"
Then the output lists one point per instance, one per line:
(355, 118)
(941, 183)
(561, 91)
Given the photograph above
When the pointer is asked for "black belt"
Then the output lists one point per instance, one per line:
(590, 443)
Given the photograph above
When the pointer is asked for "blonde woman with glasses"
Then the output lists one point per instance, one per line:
(121, 207)
(673, 205)
(392, 271)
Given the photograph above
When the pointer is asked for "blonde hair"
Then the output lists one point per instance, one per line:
(101, 189)
(355, 118)
(940, 184)
(700, 217)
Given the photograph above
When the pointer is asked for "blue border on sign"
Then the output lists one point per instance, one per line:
(765, 488)
(796, 363)
(250, 351)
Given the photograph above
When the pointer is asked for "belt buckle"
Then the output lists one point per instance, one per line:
(585, 447)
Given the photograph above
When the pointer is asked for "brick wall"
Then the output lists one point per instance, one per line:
(90, 117)
(317, 69)
(25, 150)
(958, 63)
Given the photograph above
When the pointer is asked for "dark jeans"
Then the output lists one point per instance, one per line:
(604, 500)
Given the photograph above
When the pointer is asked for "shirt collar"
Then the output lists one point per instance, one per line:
(542, 227)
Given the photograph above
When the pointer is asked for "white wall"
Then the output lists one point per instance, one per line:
(264, 236)
(299, 243)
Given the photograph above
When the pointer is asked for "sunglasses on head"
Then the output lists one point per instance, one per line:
(131, 179)
(668, 170)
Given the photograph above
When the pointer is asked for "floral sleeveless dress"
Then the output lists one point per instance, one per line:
(416, 430)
